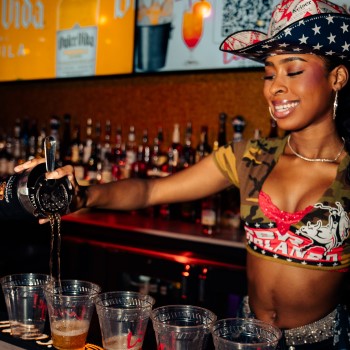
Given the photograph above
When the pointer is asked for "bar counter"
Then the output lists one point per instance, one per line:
(171, 260)
(169, 240)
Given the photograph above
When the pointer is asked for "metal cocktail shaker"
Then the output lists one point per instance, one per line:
(30, 195)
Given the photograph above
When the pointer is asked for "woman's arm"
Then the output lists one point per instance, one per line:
(197, 181)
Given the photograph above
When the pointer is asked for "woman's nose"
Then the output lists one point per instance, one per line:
(278, 86)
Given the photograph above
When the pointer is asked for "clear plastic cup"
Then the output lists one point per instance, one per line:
(25, 303)
(244, 334)
(70, 307)
(182, 327)
(123, 318)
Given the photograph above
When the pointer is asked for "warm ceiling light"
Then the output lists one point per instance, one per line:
(202, 8)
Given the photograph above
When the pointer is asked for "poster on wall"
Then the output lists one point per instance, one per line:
(41, 39)
(174, 35)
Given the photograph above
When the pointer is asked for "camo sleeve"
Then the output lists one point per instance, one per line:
(227, 159)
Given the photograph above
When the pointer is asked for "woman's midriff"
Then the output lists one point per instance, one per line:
(289, 296)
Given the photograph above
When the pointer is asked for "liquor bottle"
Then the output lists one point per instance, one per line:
(40, 153)
(11, 160)
(238, 124)
(18, 153)
(131, 151)
(158, 168)
(76, 150)
(65, 151)
(222, 129)
(28, 194)
(94, 166)
(88, 141)
(146, 149)
(4, 156)
(106, 148)
(188, 152)
(203, 148)
(139, 167)
(162, 154)
(175, 149)
(76, 37)
(190, 210)
(33, 139)
(170, 210)
(145, 141)
(211, 210)
(118, 156)
(106, 154)
(24, 136)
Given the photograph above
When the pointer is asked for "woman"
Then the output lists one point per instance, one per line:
(294, 191)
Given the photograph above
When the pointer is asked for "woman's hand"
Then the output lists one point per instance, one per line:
(79, 192)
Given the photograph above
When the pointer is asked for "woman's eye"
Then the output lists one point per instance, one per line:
(268, 77)
(289, 74)
(292, 74)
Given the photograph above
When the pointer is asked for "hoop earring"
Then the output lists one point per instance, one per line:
(335, 104)
(271, 114)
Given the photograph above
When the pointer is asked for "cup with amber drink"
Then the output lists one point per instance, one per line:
(70, 307)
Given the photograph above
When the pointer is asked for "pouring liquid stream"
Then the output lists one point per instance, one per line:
(55, 224)
(55, 217)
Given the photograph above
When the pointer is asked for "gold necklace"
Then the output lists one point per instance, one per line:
(324, 160)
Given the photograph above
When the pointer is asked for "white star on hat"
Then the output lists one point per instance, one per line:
(288, 31)
(303, 39)
(316, 29)
(331, 38)
(330, 19)
(346, 46)
(344, 27)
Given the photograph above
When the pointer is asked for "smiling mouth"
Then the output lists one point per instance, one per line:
(285, 107)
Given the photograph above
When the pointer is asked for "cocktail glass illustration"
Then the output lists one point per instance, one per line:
(192, 25)
(192, 30)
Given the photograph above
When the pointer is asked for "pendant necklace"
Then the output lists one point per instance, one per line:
(324, 160)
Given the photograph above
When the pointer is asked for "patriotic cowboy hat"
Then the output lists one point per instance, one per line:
(297, 26)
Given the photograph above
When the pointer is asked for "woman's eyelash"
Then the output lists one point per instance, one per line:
(295, 73)
(292, 74)
(267, 77)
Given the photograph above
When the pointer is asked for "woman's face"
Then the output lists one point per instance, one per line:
(298, 90)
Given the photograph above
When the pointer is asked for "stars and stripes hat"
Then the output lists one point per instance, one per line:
(297, 26)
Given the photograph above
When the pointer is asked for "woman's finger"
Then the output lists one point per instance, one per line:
(67, 170)
(28, 164)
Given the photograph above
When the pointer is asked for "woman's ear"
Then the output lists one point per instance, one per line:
(341, 77)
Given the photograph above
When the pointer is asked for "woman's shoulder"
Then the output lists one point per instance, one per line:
(263, 145)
